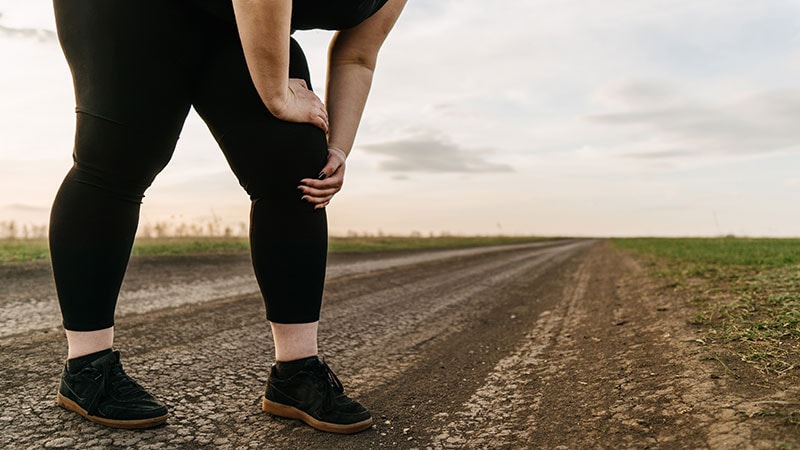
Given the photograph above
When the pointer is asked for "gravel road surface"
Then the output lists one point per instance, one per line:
(547, 345)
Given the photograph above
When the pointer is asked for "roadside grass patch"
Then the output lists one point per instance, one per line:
(746, 291)
(189, 245)
(18, 250)
(23, 250)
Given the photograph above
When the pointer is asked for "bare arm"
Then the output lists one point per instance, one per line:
(351, 64)
(352, 58)
(264, 28)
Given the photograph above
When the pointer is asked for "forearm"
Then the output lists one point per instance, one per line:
(351, 65)
(264, 28)
(347, 91)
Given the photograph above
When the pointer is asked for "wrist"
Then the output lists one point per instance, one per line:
(276, 103)
(337, 150)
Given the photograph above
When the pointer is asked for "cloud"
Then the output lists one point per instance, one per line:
(661, 154)
(39, 34)
(759, 123)
(430, 152)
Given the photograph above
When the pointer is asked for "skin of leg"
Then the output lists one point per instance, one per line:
(86, 342)
(270, 157)
(294, 340)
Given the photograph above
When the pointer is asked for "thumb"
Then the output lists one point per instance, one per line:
(333, 163)
(328, 170)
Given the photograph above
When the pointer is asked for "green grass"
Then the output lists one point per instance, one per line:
(760, 253)
(14, 251)
(189, 245)
(746, 293)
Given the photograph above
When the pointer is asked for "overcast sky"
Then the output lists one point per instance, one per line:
(560, 117)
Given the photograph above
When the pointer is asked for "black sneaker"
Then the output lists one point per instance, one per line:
(102, 392)
(315, 395)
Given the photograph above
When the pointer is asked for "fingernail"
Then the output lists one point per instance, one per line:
(322, 176)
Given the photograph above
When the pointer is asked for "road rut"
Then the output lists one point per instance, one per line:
(526, 346)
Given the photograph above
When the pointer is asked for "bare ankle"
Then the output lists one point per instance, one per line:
(294, 341)
(83, 343)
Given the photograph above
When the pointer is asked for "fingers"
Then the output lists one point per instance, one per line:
(321, 123)
(308, 104)
(319, 118)
(320, 191)
(327, 171)
(319, 114)
(319, 201)
(336, 160)
(330, 183)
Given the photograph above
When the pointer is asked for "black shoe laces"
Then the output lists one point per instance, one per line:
(331, 383)
(331, 377)
(124, 384)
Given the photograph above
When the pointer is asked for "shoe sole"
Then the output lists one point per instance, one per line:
(290, 412)
(70, 405)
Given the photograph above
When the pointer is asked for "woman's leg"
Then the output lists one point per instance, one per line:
(270, 157)
(82, 343)
(288, 236)
(294, 341)
(129, 63)
(132, 62)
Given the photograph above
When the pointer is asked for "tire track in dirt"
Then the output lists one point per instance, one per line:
(568, 345)
(427, 404)
(405, 321)
(624, 373)
(28, 301)
(491, 417)
(605, 374)
(209, 361)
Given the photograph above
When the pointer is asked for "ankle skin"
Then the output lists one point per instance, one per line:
(82, 343)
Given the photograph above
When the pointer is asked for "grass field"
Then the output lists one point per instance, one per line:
(13, 251)
(746, 292)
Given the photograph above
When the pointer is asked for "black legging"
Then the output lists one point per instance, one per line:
(138, 66)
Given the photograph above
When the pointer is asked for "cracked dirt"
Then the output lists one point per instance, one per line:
(567, 345)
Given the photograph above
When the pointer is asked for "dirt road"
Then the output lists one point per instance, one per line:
(557, 345)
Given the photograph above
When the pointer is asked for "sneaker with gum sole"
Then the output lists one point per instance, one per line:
(315, 396)
(103, 393)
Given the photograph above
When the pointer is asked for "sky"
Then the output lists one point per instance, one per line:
(545, 117)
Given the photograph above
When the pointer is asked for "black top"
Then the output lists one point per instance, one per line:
(310, 14)
(332, 14)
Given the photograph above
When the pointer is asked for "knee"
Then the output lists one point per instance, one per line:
(271, 165)
(120, 159)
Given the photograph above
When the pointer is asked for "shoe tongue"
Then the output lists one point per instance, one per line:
(75, 365)
(312, 361)
(107, 359)
(288, 368)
